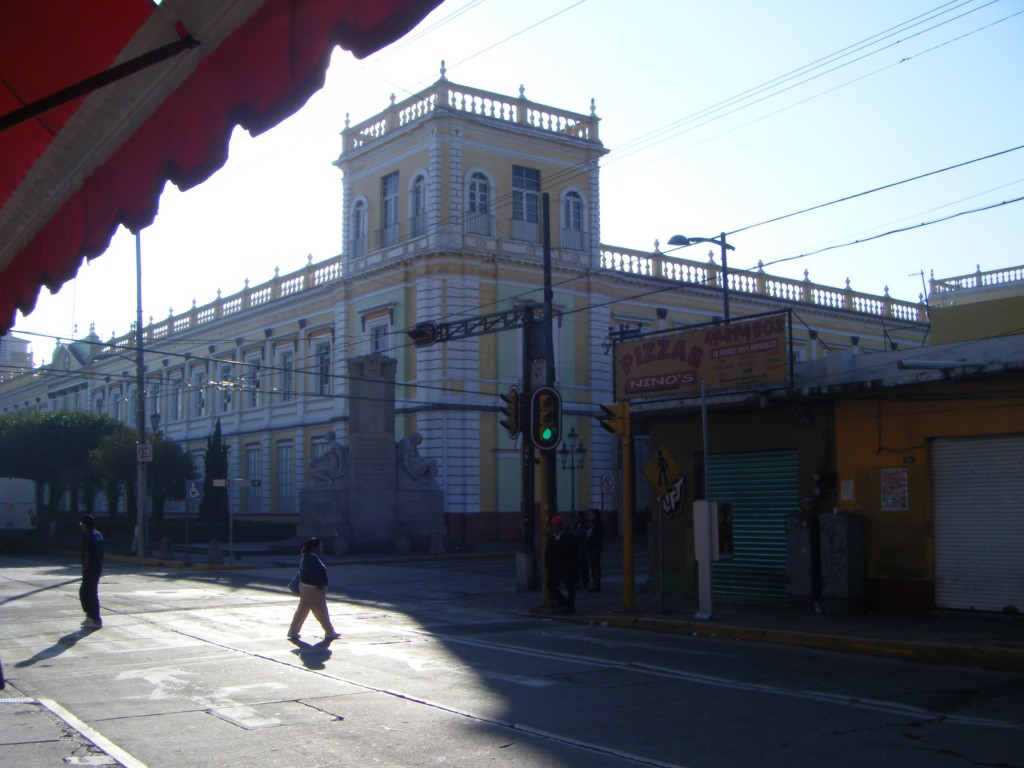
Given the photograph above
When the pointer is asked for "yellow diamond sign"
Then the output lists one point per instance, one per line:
(661, 471)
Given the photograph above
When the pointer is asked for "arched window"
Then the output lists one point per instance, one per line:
(573, 229)
(418, 206)
(479, 220)
(525, 204)
(357, 230)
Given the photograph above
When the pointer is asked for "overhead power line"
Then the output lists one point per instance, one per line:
(878, 189)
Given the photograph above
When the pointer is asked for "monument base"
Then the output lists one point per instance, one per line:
(322, 514)
(419, 514)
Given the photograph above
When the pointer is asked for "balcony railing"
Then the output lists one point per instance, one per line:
(641, 263)
(388, 235)
(479, 224)
(978, 279)
(759, 283)
(459, 98)
(526, 230)
(574, 239)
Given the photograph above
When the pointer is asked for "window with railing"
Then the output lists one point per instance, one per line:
(357, 238)
(174, 399)
(199, 464)
(573, 229)
(225, 384)
(198, 392)
(253, 380)
(479, 220)
(284, 486)
(380, 337)
(286, 376)
(418, 206)
(323, 368)
(389, 230)
(525, 204)
(253, 501)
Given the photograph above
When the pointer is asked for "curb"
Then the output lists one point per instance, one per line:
(981, 657)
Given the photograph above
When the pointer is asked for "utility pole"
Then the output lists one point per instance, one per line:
(140, 401)
(548, 489)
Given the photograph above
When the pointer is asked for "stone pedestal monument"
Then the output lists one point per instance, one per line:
(373, 495)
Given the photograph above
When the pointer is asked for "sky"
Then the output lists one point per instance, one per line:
(733, 116)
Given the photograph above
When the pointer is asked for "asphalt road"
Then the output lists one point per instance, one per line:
(436, 666)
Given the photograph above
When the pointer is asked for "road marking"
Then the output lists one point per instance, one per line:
(97, 738)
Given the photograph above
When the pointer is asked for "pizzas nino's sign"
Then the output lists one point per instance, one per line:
(741, 355)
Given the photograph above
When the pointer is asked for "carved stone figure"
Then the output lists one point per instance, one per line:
(332, 466)
(415, 471)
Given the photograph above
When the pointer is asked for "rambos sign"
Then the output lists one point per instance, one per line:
(740, 355)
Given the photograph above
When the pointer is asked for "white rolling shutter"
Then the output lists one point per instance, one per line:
(978, 496)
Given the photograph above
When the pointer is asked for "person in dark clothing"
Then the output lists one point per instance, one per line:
(579, 531)
(593, 545)
(561, 563)
(92, 569)
(312, 592)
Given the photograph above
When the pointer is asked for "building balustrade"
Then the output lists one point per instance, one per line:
(640, 263)
(978, 279)
(474, 101)
(758, 283)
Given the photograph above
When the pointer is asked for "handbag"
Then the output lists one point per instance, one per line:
(293, 585)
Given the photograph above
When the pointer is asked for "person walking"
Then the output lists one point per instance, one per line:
(593, 546)
(312, 592)
(561, 561)
(92, 569)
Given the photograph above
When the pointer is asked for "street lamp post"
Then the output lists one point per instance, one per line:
(570, 453)
(683, 241)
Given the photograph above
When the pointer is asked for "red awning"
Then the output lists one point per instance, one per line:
(72, 170)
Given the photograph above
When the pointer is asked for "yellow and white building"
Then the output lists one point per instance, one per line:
(443, 221)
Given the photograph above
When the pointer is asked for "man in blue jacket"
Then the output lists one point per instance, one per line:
(92, 569)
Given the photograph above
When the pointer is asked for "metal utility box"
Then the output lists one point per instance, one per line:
(803, 570)
(842, 562)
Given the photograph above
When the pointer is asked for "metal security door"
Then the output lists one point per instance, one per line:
(763, 489)
(978, 493)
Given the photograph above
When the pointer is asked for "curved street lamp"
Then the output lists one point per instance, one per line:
(683, 241)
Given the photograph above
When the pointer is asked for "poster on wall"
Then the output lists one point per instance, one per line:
(747, 354)
(894, 490)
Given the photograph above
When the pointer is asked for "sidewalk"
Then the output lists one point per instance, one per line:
(981, 640)
(984, 641)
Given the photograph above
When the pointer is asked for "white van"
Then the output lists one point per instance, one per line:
(17, 505)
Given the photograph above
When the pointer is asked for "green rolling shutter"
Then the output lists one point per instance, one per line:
(763, 489)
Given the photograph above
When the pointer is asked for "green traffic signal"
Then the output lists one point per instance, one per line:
(545, 418)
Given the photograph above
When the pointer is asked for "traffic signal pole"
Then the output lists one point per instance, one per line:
(615, 419)
(548, 492)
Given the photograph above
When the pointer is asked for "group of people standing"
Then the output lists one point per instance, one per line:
(573, 557)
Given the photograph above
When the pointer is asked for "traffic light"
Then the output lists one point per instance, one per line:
(513, 412)
(546, 418)
(615, 418)
(423, 334)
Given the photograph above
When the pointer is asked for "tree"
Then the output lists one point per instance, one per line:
(171, 467)
(116, 463)
(213, 509)
(54, 450)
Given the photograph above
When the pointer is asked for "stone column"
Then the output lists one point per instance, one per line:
(371, 443)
